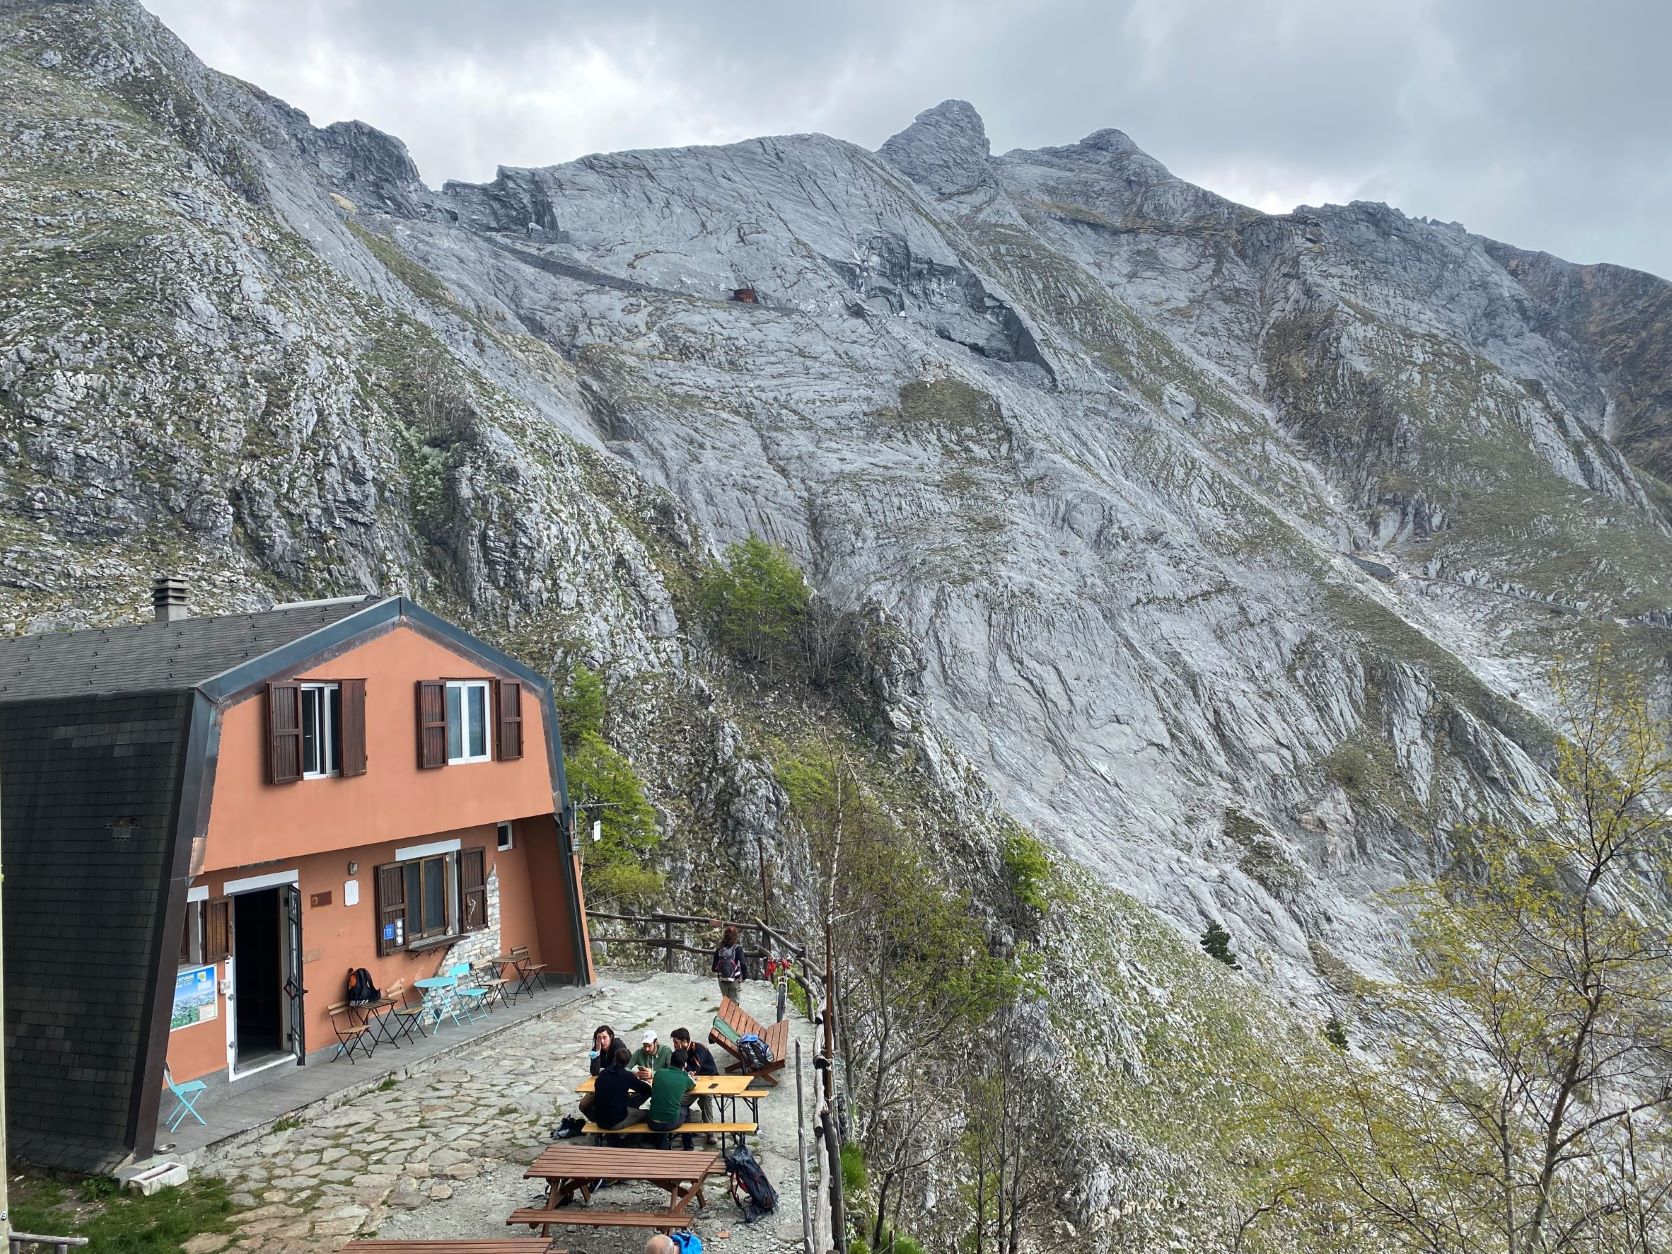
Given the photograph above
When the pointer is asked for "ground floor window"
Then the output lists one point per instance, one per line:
(430, 898)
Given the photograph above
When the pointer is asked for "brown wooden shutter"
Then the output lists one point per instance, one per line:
(508, 743)
(432, 724)
(351, 753)
(391, 908)
(473, 890)
(284, 733)
(217, 929)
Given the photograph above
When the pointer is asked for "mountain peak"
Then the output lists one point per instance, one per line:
(945, 149)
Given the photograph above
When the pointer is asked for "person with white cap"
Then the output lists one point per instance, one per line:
(650, 1057)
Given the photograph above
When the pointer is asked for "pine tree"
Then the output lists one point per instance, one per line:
(1334, 1033)
(1217, 941)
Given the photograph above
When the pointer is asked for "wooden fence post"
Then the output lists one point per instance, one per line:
(667, 947)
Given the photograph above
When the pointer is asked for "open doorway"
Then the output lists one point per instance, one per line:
(258, 992)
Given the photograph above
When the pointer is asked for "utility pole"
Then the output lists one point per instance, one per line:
(832, 1126)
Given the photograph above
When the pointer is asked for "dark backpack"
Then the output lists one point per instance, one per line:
(748, 1178)
(360, 987)
(755, 1052)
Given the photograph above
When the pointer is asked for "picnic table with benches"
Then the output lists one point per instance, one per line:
(577, 1169)
(733, 1022)
(727, 1088)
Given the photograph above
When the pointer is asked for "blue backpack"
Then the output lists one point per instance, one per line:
(688, 1242)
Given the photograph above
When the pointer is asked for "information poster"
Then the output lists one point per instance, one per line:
(194, 997)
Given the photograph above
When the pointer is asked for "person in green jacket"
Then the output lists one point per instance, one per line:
(650, 1057)
(670, 1094)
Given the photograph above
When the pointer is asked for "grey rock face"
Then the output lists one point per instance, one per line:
(944, 150)
(1170, 507)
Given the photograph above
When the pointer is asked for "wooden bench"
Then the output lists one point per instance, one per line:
(684, 1129)
(504, 1245)
(777, 1038)
(721, 1130)
(587, 1217)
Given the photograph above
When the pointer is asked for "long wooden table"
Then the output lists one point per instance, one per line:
(728, 1088)
(571, 1169)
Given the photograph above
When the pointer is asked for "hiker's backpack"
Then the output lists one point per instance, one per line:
(758, 1195)
(360, 987)
(755, 1052)
(569, 1126)
(686, 1242)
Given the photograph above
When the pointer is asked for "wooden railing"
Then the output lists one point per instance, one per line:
(17, 1240)
(666, 932)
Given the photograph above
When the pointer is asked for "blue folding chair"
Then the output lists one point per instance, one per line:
(185, 1095)
(471, 998)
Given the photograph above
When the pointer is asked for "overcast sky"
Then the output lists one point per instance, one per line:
(1542, 122)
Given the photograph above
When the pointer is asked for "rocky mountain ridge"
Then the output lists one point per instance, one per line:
(1225, 550)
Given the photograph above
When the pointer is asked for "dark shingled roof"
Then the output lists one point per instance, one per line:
(153, 657)
(91, 788)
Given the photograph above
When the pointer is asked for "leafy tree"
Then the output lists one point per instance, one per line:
(615, 869)
(1528, 1096)
(1217, 941)
(1335, 1033)
(756, 601)
(581, 706)
(912, 962)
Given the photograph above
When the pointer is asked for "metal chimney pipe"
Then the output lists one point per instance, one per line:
(168, 600)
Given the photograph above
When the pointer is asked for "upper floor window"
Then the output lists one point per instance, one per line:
(315, 729)
(467, 721)
(322, 730)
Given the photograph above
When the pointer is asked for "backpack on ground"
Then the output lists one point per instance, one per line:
(755, 1052)
(360, 987)
(686, 1242)
(747, 1178)
(570, 1126)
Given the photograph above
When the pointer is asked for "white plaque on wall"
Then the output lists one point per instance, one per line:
(351, 893)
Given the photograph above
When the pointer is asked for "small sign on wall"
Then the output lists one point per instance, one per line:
(194, 997)
(351, 892)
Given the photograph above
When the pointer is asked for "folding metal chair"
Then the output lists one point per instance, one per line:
(185, 1095)
(403, 1013)
(351, 1036)
(471, 998)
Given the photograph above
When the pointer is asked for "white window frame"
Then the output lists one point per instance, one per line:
(505, 837)
(463, 687)
(325, 733)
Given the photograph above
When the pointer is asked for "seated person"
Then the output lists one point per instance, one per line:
(670, 1091)
(603, 1049)
(699, 1060)
(650, 1057)
(618, 1093)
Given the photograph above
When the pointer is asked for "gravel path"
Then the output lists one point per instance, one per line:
(442, 1153)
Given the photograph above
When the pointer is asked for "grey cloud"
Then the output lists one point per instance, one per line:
(1535, 121)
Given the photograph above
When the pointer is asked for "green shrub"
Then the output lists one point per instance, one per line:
(1217, 942)
(615, 865)
(1350, 766)
(581, 707)
(800, 1000)
(755, 601)
(1027, 867)
(1334, 1033)
(854, 1175)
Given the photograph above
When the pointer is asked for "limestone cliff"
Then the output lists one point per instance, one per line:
(1225, 550)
